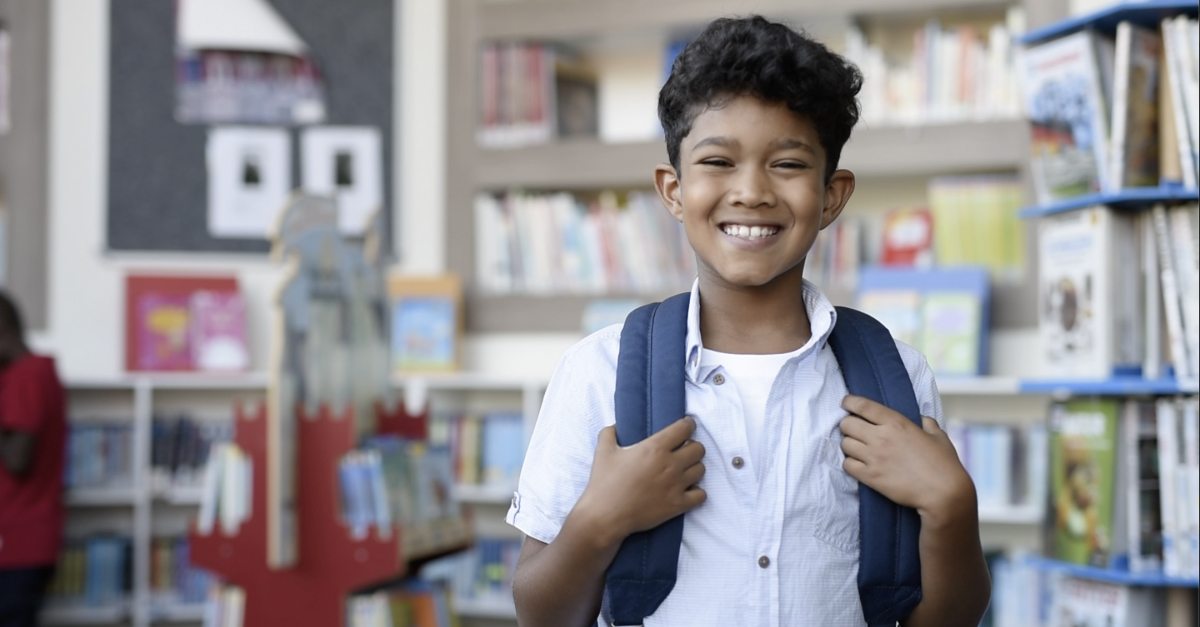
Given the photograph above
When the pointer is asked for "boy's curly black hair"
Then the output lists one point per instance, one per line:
(752, 56)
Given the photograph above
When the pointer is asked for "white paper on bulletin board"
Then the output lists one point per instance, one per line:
(249, 179)
(346, 163)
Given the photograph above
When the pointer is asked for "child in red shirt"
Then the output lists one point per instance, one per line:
(32, 441)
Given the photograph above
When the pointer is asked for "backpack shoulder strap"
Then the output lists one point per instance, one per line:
(649, 396)
(889, 569)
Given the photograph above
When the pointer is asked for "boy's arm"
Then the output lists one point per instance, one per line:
(630, 489)
(917, 467)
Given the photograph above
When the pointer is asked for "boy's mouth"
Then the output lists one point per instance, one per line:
(747, 232)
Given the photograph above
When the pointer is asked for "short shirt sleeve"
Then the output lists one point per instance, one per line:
(924, 384)
(577, 405)
(24, 390)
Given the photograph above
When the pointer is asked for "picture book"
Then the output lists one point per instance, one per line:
(1083, 457)
(1064, 99)
(426, 323)
(1139, 441)
(1181, 83)
(1089, 266)
(975, 222)
(1134, 161)
(218, 331)
(898, 309)
(163, 325)
(907, 238)
(950, 332)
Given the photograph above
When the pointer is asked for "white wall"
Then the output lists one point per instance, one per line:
(85, 329)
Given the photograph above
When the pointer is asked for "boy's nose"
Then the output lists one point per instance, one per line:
(752, 188)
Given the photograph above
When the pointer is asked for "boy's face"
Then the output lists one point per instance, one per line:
(751, 191)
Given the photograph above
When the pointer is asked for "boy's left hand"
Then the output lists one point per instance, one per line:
(913, 466)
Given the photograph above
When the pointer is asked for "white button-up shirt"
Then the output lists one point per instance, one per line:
(776, 542)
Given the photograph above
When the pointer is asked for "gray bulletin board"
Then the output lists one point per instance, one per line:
(157, 183)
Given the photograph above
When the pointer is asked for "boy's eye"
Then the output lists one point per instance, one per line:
(792, 165)
(716, 161)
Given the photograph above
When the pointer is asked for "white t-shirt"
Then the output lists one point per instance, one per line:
(753, 376)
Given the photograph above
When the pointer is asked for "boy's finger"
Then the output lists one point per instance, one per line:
(693, 497)
(930, 425)
(875, 413)
(690, 452)
(854, 426)
(675, 433)
(693, 474)
(856, 449)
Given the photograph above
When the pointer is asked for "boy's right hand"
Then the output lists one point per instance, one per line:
(635, 488)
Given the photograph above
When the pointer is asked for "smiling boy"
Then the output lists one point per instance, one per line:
(766, 465)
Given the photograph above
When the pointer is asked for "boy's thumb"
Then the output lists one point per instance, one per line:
(930, 425)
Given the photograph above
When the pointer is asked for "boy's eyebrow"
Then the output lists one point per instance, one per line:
(789, 144)
(717, 140)
(783, 143)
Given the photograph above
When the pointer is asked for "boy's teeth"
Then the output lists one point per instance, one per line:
(749, 232)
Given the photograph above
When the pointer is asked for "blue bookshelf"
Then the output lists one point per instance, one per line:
(1111, 575)
(1106, 20)
(1114, 386)
(1131, 198)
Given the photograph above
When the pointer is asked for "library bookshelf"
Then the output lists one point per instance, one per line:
(878, 154)
(143, 509)
(1173, 386)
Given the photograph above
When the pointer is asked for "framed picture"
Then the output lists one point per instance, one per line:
(426, 323)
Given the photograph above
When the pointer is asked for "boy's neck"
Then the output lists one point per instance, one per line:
(764, 320)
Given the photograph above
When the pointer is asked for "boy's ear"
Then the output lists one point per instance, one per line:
(837, 194)
(666, 181)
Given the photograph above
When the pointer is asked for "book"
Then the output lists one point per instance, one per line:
(1065, 103)
(907, 238)
(503, 449)
(1135, 151)
(951, 332)
(1089, 264)
(1172, 299)
(1139, 439)
(975, 223)
(1184, 248)
(1083, 466)
(1180, 82)
(1086, 603)
(218, 331)
(898, 309)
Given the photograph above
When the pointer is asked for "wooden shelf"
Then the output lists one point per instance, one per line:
(499, 608)
(886, 151)
(85, 614)
(484, 494)
(585, 18)
(100, 497)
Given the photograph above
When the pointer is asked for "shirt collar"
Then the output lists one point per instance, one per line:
(822, 316)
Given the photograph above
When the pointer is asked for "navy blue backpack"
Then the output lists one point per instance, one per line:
(650, 396)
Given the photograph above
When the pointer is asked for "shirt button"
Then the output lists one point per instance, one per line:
(719, 379)
(738, 462)
(764, 561)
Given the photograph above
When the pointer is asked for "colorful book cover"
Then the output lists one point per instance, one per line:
(1089, 265)
(1064, 99)
(898, 309)
(163, 325)
(1083, 457)
(218, 329)
(950, 332)
(907, 238)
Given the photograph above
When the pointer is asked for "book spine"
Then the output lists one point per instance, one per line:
(1170, 291)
